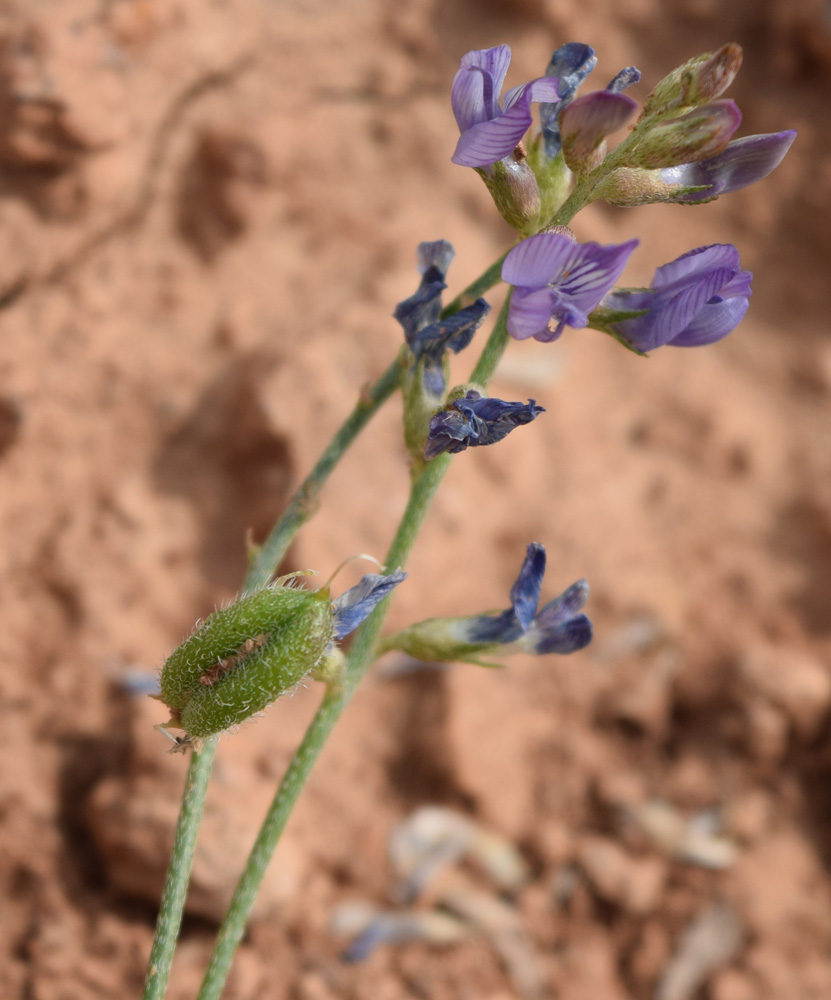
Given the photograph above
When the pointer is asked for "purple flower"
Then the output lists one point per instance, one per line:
(428, 336)
(474, 420)
(558, 627)
(558, 282)
(694, 300)
(355, 604)
(742, 163)
(571, 64)
(490, 132)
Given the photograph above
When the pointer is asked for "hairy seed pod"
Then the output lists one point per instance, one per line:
(245, 656)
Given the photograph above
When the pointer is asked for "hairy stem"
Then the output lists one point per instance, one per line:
(303, 504)
(361, 656)
(178, 872)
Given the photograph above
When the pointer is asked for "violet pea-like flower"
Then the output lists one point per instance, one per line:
(694, 300)
(474, 420)
(743, 162)
(490, 132)
(557, 627)
(559, 282)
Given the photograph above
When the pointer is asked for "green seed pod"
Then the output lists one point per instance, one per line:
(245, 656)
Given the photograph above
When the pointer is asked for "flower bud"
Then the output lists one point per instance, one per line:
(243, 657)
(698, 135)
(698, 81)
(709, 79)
(629, 187)
(585, 124)
(514, 190)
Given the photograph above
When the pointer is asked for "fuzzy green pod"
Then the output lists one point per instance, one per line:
(243, 657)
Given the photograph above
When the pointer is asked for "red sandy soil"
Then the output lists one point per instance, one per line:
(209, 211)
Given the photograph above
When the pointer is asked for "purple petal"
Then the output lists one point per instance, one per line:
(586, 122)
(593, 271)
(673, 313)
(567, 638)
(529, 313)
(474, 95)
(563, 607)
(490, 141)
(695, 262)
(353, 606)
(714, 321)
(544, 88)
(742, 163)
(534, 262)
(525, 593)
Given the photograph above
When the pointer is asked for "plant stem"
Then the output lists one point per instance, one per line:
(303, 504)
(476, 288)
(178, 872)
(495, 346)
(361, 656)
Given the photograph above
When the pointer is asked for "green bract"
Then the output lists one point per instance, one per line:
(245, 656)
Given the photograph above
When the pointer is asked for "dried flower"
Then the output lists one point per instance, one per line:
(558, 627)
(473, 420)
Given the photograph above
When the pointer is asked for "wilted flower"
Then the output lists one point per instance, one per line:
(571, 64)
(428, 336)
(694, 300)
(558, 627)
(474, 420)
(355, 604)
(490, 132)
(558, 282)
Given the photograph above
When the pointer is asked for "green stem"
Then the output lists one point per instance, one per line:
(476, 288)
(178, 872)
(361, 656)
(495, 346)
(303, 504)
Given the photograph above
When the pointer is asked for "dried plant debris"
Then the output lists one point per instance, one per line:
(713, 939)
(424, 851)
(434, 839)
(697, 841)
(371, 928)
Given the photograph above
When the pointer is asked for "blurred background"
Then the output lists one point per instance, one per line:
(207, 215)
